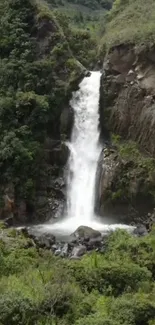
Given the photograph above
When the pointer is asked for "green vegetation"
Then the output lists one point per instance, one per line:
(85, 15)
(35, 79)
(94, 4)
(130, 21)
(116, 287)
(136, 175)
(79, 40)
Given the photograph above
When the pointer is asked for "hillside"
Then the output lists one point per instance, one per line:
(37, 74)
(81, 14)
(127, 109)
(130, 21)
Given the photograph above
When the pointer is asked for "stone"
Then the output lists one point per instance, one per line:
(95, 242)
(86, 233)
(64, 251)
(131, 76)
(120, 79)
(78, 251)
(57, 252)
(87, 73)
(54, 247)
(9, 221)
(140, 231)
(45, 240)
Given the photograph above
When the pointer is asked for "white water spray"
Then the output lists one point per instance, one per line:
(84, 154)
(85, 151)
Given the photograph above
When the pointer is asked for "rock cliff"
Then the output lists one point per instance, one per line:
(127, 111)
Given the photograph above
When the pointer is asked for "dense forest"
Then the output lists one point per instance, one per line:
(46, 48)
(37, 68)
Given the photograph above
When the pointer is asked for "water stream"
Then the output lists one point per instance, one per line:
(84, 153)
(85, 150)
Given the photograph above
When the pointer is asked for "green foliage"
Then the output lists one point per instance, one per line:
(90, 4)
(110, 276)
(130, 21)
(97, 4)
(80, 40)
(116, 287)
(34, 84)
(136, 168)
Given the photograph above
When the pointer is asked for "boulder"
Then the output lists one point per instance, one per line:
(64, 250)
(94, 243)
(42, 240)
(78, 251)
(140, 230)
(86, 233)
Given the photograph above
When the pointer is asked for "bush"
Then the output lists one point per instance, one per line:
(105, 289)
(110, 275)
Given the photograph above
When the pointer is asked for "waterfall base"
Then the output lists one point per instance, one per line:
(68, 226)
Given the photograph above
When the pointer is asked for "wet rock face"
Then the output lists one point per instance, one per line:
(121, 58)
(66, 121)
(51, 183)
(127, 103)
(123, 189)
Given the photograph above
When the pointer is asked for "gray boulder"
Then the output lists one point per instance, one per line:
(86, 233)
(42, 240)
(78, 251)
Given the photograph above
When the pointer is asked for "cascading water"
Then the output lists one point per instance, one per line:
(85, 151)
(82, 164)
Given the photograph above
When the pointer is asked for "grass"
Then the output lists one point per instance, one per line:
(130, 22)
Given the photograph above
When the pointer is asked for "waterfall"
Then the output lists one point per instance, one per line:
(84, 151)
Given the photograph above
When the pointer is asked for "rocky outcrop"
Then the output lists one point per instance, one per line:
(125, 188)
(83, 240)
(126, 183)
(66, 121)
(72, 247)
(127, 105)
